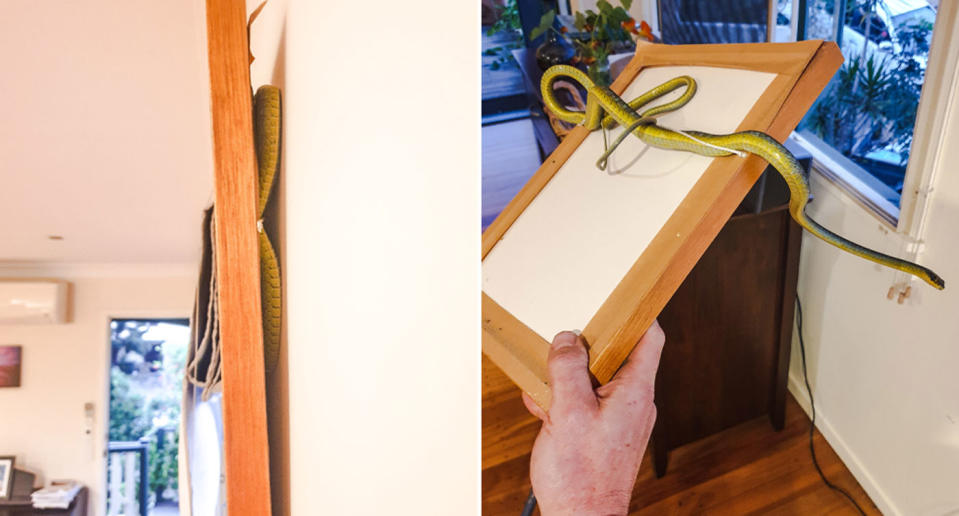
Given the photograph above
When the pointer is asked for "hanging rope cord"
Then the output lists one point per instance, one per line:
(206, 347)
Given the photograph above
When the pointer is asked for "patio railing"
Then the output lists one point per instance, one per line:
(128, 487)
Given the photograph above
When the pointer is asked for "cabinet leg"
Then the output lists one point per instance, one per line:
(660, 460)
(660, 449)
(778, 418)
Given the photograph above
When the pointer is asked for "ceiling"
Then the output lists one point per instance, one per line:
(105, 137)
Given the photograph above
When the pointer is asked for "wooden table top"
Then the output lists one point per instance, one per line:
(24, 507)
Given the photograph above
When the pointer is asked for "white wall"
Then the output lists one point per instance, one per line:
(884, 375)
(66, 365)
(380, 252)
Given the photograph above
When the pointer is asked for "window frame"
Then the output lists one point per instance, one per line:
(937, 96)
(857, 182)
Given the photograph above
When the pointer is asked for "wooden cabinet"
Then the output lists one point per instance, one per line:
(729, 326)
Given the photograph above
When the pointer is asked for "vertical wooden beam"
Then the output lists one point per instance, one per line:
(238, 271)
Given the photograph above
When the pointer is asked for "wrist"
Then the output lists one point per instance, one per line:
(599, 504)
(607, 508)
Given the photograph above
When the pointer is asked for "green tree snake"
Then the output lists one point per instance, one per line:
(601, 99)
(266, 138)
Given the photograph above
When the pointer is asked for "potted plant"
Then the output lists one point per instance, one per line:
(598, 35)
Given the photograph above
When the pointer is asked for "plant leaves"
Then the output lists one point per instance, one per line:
(545, 22)
(626, 3)
(579, 21)
(620, 15)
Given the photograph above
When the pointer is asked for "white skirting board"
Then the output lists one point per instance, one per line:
(798, 389)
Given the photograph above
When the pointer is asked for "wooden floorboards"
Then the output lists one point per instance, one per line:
(748, 469)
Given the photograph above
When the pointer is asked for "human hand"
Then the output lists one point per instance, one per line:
(588, 451)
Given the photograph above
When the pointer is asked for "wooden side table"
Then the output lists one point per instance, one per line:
(24, 507)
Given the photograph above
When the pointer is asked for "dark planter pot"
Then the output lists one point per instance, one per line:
(554, 51)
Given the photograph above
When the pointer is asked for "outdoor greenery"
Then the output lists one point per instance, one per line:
(164, 469)
(871, 104)
(146, 384)
(868, 112)
(128, 421)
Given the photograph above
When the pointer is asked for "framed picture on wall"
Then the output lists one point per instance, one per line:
(6, 476)
(10, 357)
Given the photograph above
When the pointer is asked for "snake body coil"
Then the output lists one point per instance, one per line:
(266, 135)
(601, 99)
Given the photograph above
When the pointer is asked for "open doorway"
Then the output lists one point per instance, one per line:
(147, 361)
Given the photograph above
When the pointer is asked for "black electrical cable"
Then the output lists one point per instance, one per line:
(530, 504)
(812, 406)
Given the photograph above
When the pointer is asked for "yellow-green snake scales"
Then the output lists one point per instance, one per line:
(266, 137)
(601, 99)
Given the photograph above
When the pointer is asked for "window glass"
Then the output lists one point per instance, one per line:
(868, 111)
(784, 29)
(713, 21)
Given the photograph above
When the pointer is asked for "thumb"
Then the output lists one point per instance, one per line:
(636, 380)
(567, 365)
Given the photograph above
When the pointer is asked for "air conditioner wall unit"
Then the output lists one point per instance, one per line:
(33, 301)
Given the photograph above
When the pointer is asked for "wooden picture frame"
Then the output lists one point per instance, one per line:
(245, 443)
(6, 476)
(11, 360)
(801, 71)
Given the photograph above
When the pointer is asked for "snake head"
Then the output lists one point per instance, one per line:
(935, 280)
